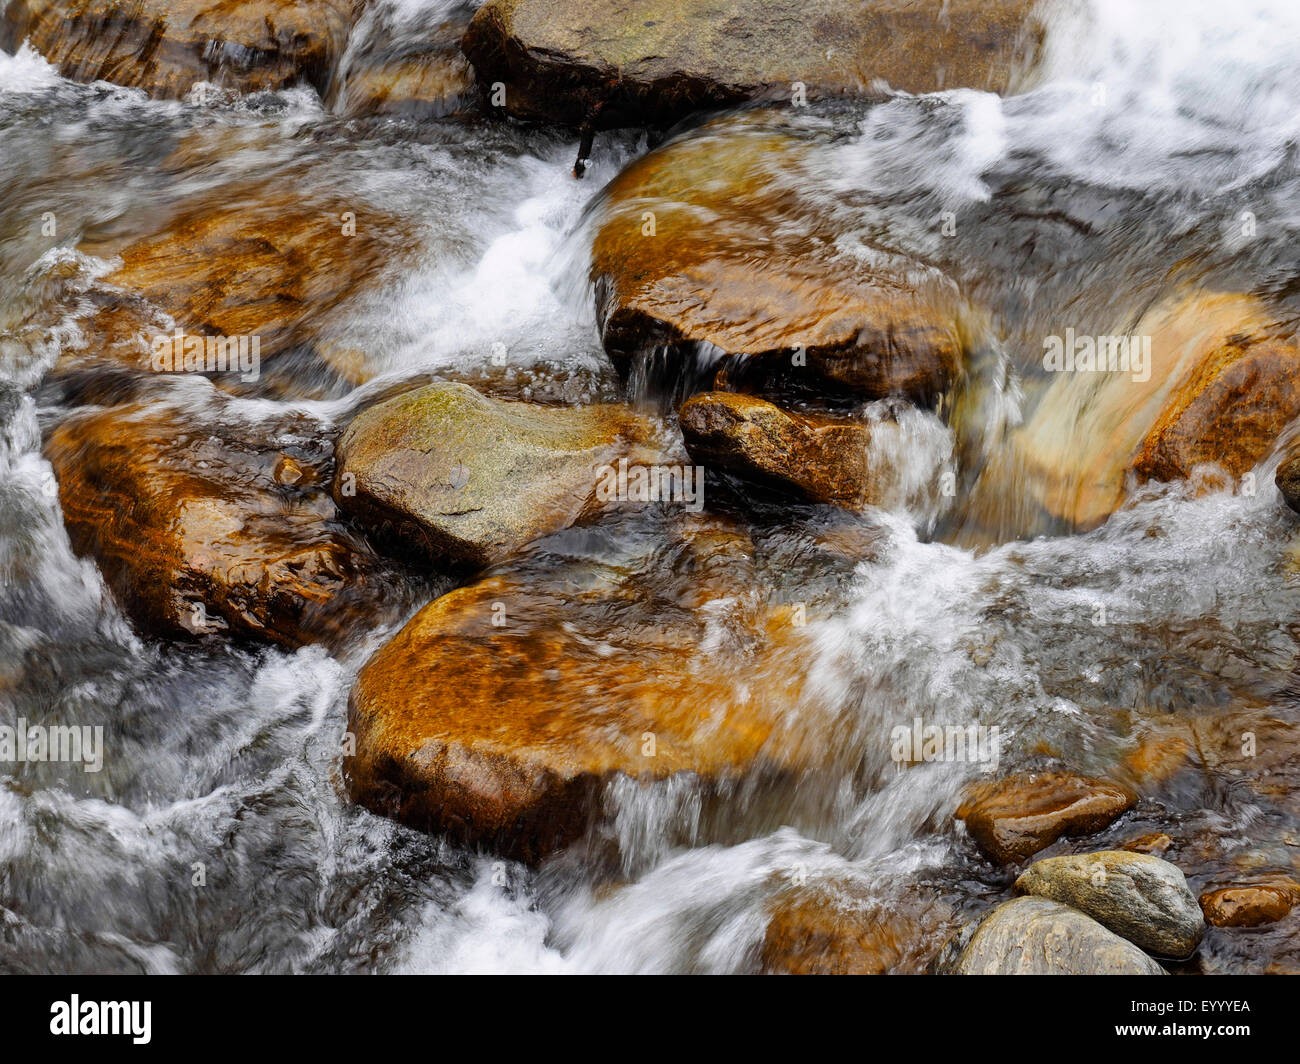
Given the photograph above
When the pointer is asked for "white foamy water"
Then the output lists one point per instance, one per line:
(227, 758)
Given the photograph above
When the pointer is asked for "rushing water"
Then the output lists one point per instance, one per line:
(1122, 176)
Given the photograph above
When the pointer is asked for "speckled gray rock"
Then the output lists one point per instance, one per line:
(1036, 936)
(1143, 898)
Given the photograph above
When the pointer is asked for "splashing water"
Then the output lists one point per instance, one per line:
(218, 837)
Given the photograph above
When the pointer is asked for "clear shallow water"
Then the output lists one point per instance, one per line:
(1070, 208)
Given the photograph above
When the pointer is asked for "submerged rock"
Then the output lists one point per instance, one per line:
(476, 478)
(1143, 898)
(1250, 905)
(835, 929)
(653, 61)
(167, 46)
(1037, 936)
(708, 241)
(502, 710)
(198, 529)
(1016, 817)
(821, 458)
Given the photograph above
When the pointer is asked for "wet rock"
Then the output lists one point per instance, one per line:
(1037, 936)
(406, 64)
(1259, 748)
(1287, 479)
(653, 62)
(502, 710)
(1163, 752)
(834, 929)
(762, 279)
(1250, 905)
(265, 265)
(1143, 898)
(1220, 386)
(167, 46)
(1156, 844)
(195, 534)
(475, 478)
(1014, 818)
(1229, 412)
(821, 458)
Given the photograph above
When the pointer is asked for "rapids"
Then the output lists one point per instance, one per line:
(1156, 149)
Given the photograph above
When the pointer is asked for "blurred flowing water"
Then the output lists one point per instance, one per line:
(1118, 181)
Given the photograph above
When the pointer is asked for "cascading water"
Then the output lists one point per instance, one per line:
(218, 836)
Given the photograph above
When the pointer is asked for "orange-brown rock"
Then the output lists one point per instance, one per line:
(501, 711)
(1219, 388)
(1260, 747)
(708, 241)
(1161, 754)
(167, 46)
(1229, 412)
(652, 61)
(261, 264)
(834, 929)
(819, 457)
(410, 86)
(1287, 477)
(1156, 844)
(1014, 818)
(1250, 905)
(195, 533)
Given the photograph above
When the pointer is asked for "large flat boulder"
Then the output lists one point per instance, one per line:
(167, 46)
(209, 520)
(502, 710)
(708, 241)
(653, 61)
(458, 474)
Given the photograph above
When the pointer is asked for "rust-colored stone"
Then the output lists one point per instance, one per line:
(833, 929)
(1230, 412)
(500, 711)
(167, 46)
(1250, 905)
(195, 535)
(1014, 818)
(761, 279)
(821, 458)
